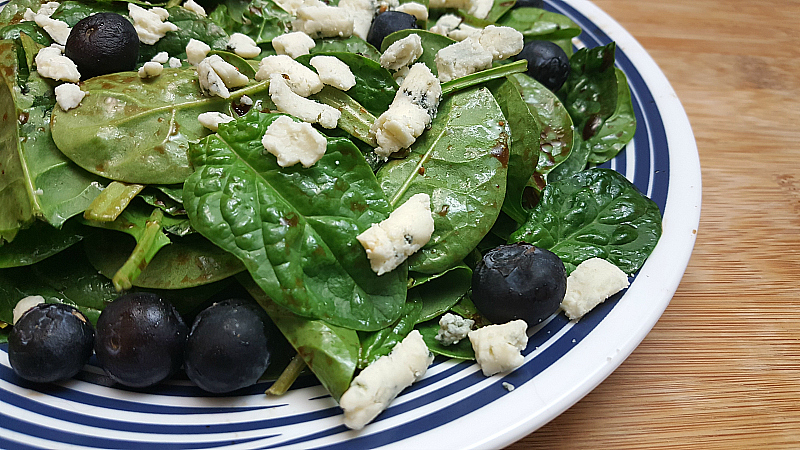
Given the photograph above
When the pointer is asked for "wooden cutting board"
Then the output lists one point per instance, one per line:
(721, 369)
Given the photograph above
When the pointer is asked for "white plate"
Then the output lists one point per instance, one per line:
(454, 406)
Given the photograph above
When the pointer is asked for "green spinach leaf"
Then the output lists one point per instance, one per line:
(439, 292)
(535, 23)
(262, 20)
(594, 213)
(138, 131)
(355, 120)
(330, 352)
(352, 44)
(295, 228)
(190, 26)
(618, 130)
(461, 162)
(590, 92)
(39, 241)
(431, 44)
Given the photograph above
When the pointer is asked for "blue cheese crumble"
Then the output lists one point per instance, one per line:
(498, 348)
(590, 284)
(453, 328)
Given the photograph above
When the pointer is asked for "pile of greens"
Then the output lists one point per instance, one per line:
(129, 192)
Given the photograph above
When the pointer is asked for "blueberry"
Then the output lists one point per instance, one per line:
(547, 63)
(50, 342)
(103, 43)
(518, 281)
(140, 339)
(387, 23)
(228, 347)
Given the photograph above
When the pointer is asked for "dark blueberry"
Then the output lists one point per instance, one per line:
(140, 339)
(387, 23)
(50, 342)
(228, 347)
(529, 4)
(547, 63)
(518, 281)
(103, 43)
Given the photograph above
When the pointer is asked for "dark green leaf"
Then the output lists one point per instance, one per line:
(618, 130)
(330, 352)
(483, 76)
(38, 242)
(590, 92)
(190, 26)
(72, 12)
(138, 131)
(524, 153)
(595, 213)
(355, 119)
(295, 228)
(262, 20)
(535, 23)
(237, 61)
(37, 179)
(352, 44)
(461, 162)
(12, 32)
(438, 293)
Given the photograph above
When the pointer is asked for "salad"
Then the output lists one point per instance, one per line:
(130, 192)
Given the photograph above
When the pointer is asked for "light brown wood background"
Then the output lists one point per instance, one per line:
(721, 368)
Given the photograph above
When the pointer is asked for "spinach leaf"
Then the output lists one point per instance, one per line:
(72, 12)
(375, 344)
(13, 11)
(352, 44)
(462, 350)
(590, 92)
(439, 292)
(138, 131)
(618, 130)
(594, 213)
(330, 352)
(157, 196)
(34, 31)
(187, 262)
(575, 162)
(262, 20)
(535, 23)
(483, 76)
(38, 242)
(17, 283)
(555, 125)
(499, 9)
(431, 44)
(295, 228)
(37, 180)
(375, 87)
(524, 153)
(461, 162)
(112, 201)
(190, 26)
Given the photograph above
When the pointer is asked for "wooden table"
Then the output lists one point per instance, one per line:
(721, 369)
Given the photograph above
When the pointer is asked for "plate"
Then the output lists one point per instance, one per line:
(454, 406)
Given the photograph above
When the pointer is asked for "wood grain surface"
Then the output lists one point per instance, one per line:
(721, 368)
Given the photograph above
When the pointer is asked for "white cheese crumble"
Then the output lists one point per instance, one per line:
(46, 9)
(294, 142)
(477, 8)
(394, 239)
(175, 63)
(333, 72)
(377, 385)
(463, 31)
(477, 52)
(57, 29)
(24, 305)
(402, 52)
(417, 10)
(217, 76)
(50, 63)
(289, 102)
(150, 69)
(362, 12)
(590, 284)
(446, 24)
(150, 24)
(291, 6)
(453, 328)
(293, 44)
(69, 95)
(161, 57)
(194, 7)
(508, 386)
(244, 46)
(300, 78)
(323, 21)
(212, 119)
(498, 348)
(196, 51)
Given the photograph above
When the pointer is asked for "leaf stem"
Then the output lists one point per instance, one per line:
(287, 377)
(146, 248)
(112, 200)
(484, 76)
